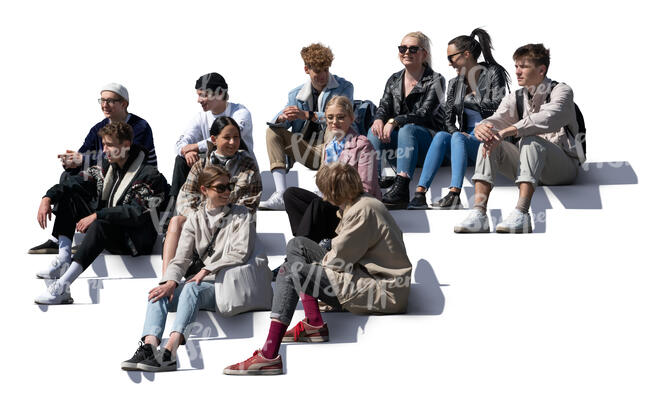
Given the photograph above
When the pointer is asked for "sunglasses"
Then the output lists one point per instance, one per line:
(412, 49)
(449, 57)
(220, 188)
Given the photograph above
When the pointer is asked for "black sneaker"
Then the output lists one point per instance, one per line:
(451, 201)
(48, 247)
(419, 201)
(164, 362)
(386, 182)
(144, 352)
(398, 196)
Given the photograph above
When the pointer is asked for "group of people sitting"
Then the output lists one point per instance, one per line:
(347, 253)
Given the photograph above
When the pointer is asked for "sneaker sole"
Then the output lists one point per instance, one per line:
(463, 230)
(153, 369)
(395, 206)
(44, 251)
(128, 366)
(268, 372)
(320, 339)
(447, 207)
(64, 302)
(513, 231)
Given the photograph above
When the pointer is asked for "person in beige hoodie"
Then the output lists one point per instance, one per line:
(367, 271)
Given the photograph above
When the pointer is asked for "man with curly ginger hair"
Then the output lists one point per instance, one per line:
(114, 204)
(296, 133)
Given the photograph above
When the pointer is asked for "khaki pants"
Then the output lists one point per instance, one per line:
(281, 142)
(534, 160)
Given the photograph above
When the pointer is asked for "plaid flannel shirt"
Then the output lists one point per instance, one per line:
(243, 172)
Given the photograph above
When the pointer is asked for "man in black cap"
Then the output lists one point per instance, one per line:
(212, 91)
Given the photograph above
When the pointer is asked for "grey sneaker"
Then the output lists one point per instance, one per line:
(56, 294)
(475, 222)
(275, 202)
(516, 223)
(57, 268)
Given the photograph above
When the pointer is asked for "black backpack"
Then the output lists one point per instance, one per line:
(364, 115)
(580, 136)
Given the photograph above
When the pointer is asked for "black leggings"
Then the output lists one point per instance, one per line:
(309, 215)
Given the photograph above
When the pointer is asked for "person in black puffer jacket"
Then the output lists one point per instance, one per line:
(405, 120)
(473, 95)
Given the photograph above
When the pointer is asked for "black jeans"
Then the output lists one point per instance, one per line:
(301, 276)
(101, 235)
(309, 215)
(181, 170)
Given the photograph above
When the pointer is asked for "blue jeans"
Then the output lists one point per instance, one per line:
(188, 299)
(458, 148)
(410, 143)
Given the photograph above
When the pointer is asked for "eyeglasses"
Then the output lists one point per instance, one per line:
(449, 57)
(412, 49)
(108, 101)
(220, 188)
(338, 118)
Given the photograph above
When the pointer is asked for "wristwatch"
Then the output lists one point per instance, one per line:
(391, 121)
(311, 116)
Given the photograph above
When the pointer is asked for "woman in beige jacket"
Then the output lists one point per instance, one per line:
(367, 270)
(223, 236)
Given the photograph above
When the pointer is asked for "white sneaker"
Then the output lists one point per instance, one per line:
(275, 202)
(56, 269)
(56, 294)
(476, 222)
(516, 223)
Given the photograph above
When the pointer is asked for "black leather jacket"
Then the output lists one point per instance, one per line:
(490, 89)
(420, 107)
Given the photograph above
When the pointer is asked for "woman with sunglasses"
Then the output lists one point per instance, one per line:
(405, 120)
(472, 96)
(223, 236)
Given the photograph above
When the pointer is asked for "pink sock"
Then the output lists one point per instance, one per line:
(273, 341)
(310, 304)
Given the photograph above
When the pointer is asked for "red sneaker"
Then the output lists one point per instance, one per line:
(305, 333)
(256, 365)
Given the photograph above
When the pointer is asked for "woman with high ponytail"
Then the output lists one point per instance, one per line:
(473, 95)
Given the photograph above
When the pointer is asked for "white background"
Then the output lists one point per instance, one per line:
(551, 324)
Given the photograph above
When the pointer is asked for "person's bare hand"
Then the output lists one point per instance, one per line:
(165, 290)
(70, 159)
(83, 224)
(44, 212)
(377, 128)
(198, 277)
(484, 132)
(191, 158)
(292, 113)
(388, 130)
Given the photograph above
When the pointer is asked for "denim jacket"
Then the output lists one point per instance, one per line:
(301, 97)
